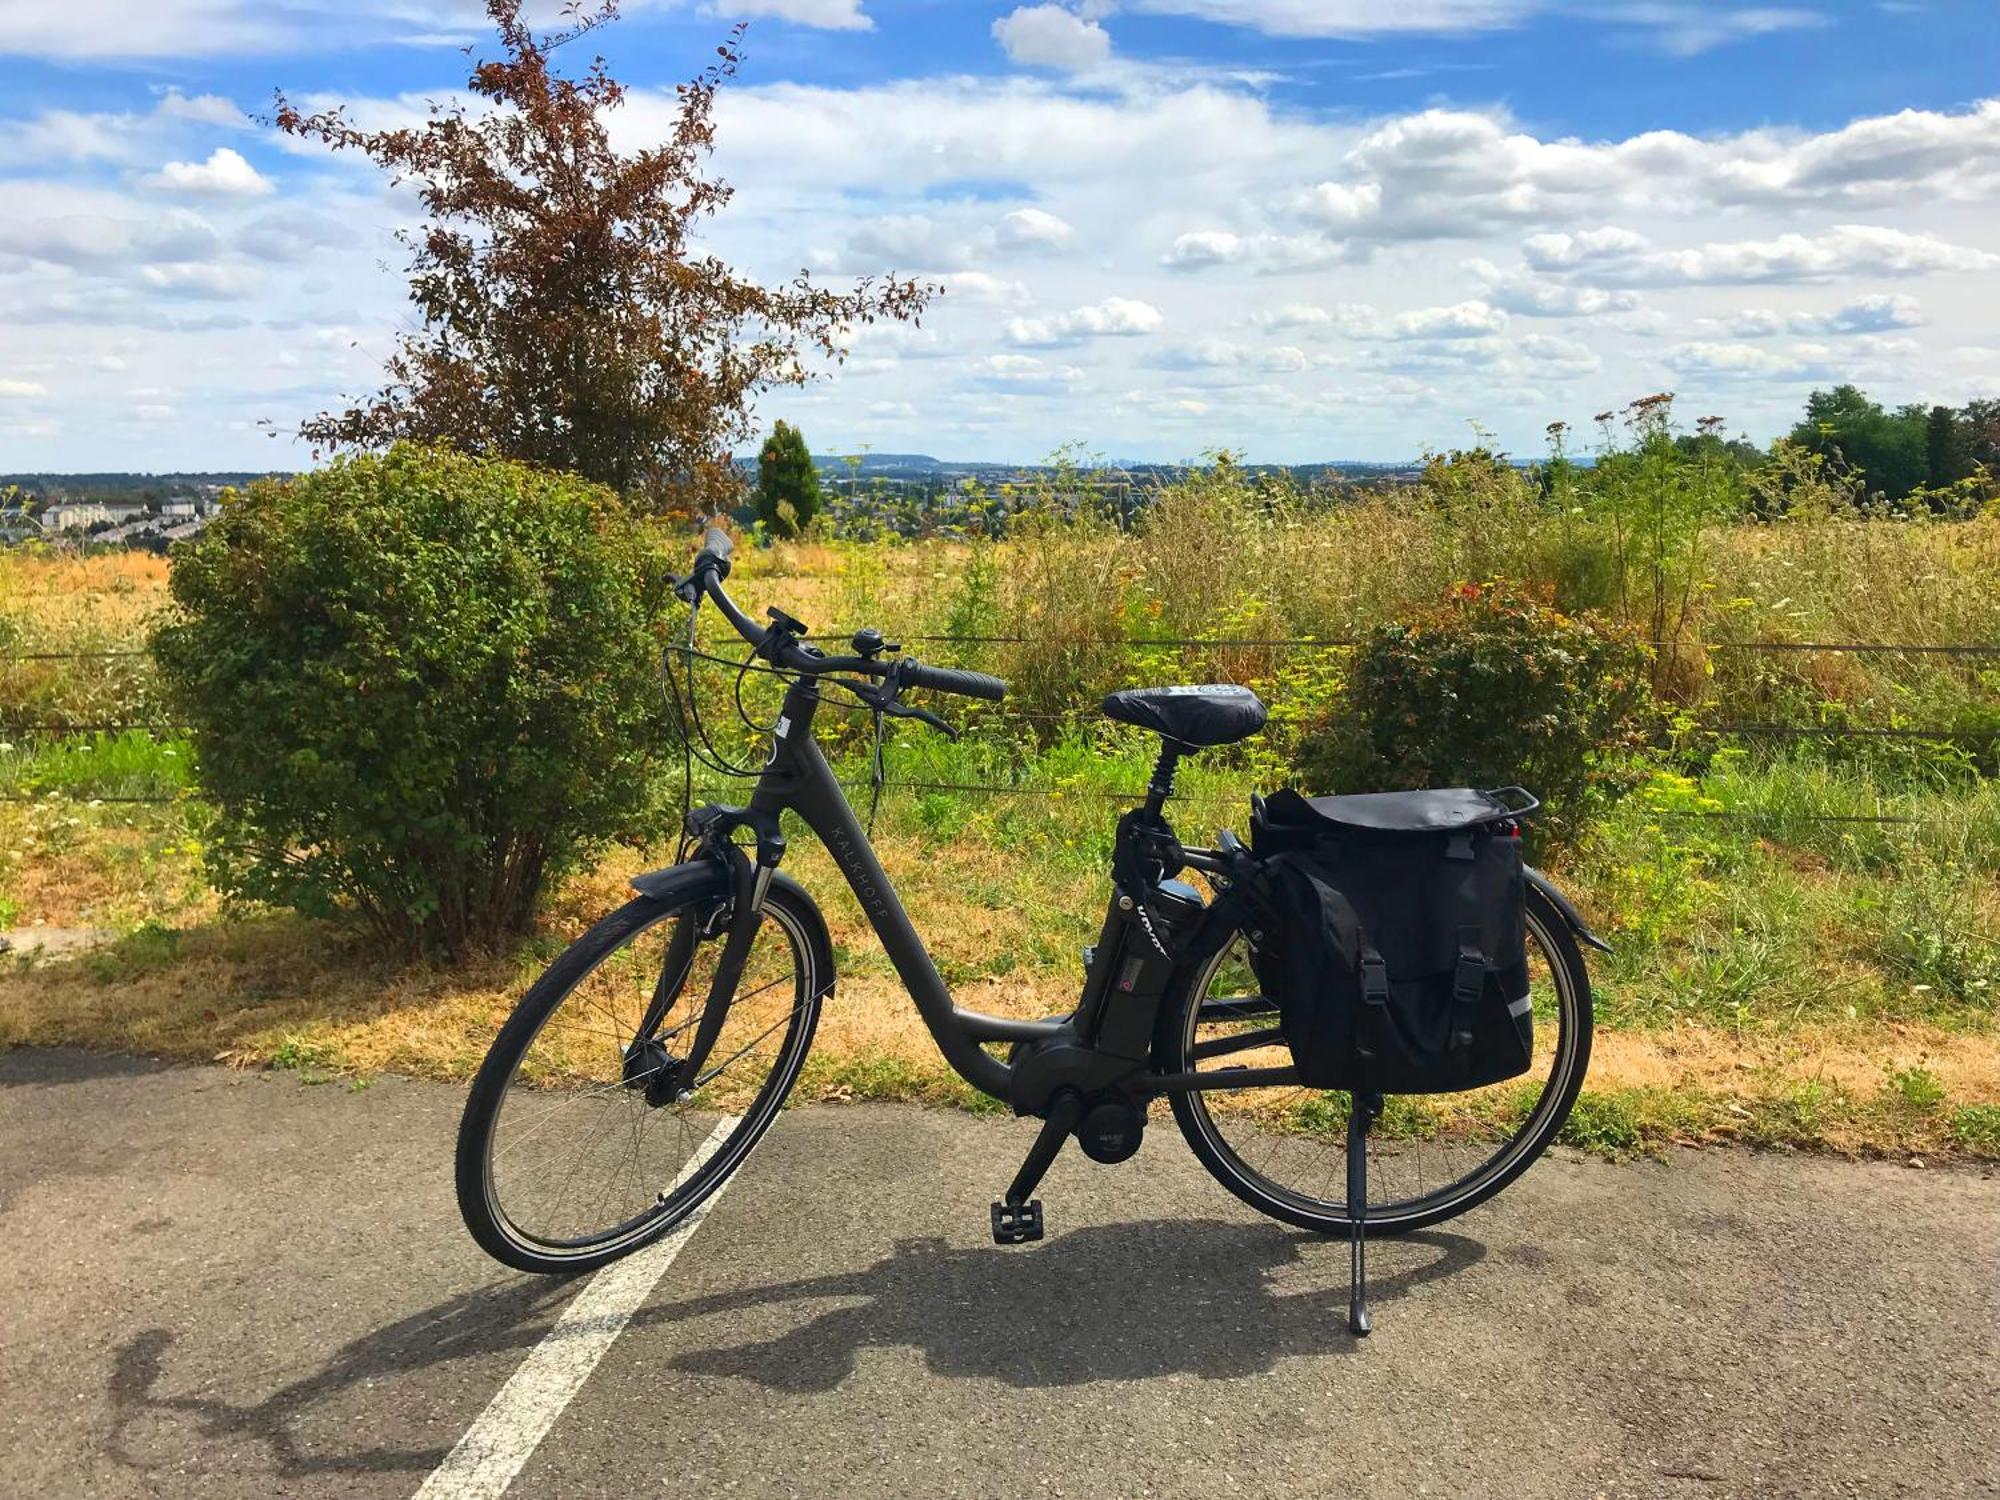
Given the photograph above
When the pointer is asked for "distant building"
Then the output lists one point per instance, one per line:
(79, 515)
(126, 515)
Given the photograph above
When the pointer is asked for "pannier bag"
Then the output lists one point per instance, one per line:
(1394, 938)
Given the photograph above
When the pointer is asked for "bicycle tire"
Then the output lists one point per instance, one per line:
(696, 896)
(1549, 930)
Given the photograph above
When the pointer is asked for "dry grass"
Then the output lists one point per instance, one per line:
(188, 980)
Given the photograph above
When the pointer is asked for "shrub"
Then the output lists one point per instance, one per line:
(787, 495)
(420, 685)
(1490, 688)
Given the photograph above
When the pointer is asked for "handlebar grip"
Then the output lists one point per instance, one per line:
(715, 547)
(952, 680)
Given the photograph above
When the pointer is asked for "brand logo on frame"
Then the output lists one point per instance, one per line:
(849, 854)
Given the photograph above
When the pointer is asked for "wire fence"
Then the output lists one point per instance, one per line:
(1197, 643)
(1748, 730)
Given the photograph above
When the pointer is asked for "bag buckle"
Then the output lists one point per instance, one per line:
(1374, 978)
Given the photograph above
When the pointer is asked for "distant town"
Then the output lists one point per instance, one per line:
(156, 510)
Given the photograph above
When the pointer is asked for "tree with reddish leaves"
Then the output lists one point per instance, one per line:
(568, 317)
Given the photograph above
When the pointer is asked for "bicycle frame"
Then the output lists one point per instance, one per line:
(797, 778)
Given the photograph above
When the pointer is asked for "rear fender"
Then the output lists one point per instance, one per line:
(1561, 903)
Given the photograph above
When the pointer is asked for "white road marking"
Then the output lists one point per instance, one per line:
(497, 1446)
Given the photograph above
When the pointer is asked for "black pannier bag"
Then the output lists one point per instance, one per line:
(1394, 940)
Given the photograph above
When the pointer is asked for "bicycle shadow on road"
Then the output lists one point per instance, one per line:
(292, 1423)
(1118, 1302)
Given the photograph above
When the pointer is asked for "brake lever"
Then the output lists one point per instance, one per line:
(897, 710)
(883, 700)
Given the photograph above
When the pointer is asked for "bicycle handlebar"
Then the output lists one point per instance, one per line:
(711, 566)
(954, 680)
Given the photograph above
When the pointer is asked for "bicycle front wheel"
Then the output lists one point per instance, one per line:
(1283, 1150)
(574, 1148)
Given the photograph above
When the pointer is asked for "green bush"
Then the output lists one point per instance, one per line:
(1490, 688)
(420, 686)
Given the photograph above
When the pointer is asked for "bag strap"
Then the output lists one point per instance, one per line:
(1374, 992)
(1468, 985)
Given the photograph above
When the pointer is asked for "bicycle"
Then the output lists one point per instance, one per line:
(649, 1059)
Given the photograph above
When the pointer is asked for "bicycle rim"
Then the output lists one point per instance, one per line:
(583, 1157)
(1283, 1149)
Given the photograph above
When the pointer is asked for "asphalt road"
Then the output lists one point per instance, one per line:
(225, 1284)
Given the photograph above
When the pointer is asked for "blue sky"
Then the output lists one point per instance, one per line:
(1299, 228)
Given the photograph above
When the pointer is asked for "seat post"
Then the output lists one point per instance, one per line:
(1161, 786)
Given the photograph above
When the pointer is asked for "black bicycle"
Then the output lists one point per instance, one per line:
(644, 1065)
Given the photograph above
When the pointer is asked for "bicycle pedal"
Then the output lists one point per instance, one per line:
(1017, 1223)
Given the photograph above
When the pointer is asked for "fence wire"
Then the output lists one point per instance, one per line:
(1190, 643)
(1244, 643)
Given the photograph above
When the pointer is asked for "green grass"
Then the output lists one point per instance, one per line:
(1975, 1129)
(132, 763)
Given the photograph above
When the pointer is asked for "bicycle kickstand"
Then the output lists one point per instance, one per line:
(1018, 1218)
(1361, 1114)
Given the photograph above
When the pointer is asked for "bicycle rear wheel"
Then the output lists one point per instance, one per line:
(1283, 1150)
(571, 1153)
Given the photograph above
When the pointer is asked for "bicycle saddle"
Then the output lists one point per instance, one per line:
(1216, 713)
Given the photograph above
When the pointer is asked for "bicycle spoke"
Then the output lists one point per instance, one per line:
(1291, 1144)
(578, 1154)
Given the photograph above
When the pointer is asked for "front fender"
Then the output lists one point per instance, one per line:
(1561, 903)
(706, 879)
(689, 881)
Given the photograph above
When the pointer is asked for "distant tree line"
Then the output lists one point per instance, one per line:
(1902, 451)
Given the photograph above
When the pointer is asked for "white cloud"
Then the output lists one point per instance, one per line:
(201, 109)
(1115, 317)
(1204, 247)
(1025, 368)
(827, 15)
(1050, 36)
(1685, 29)
(21, 390)
(955, 239)
(1747, 361)
(1877, 314)
(1344, 317)
(1225, 354)
(979, 286)
(224, 175)
(1466, 320)
(76, 29)
(1350, 18)
(1680, 27)
(1546, 357)
(1884, 312)
(82, 229)
(1543, 297)
(1033, 228)
(293, 235)
(1262, 254)
(68, 135)
(1443, 174)
(204, 279)
(1845, 250)
(1472, 319)
(1339, 206)
(1562, 252)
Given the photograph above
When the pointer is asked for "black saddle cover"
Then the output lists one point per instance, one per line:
(1215, 713)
